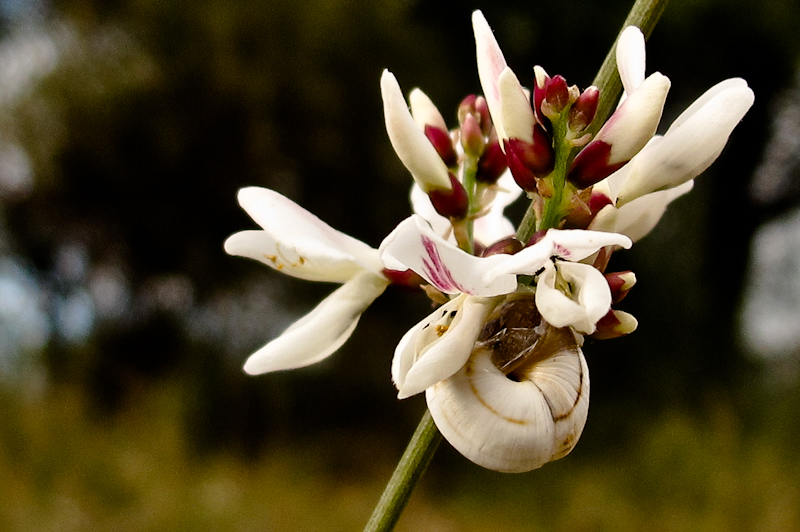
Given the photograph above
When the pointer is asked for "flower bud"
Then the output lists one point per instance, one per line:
(404, 279)
(527, 161)
(508, 246)
(539, 89)
(583, 110)
(620, 283)
(556, 97)
(625, 133)
(615, 324)
(471, 136)
(443, 144)
(492, 164)
(452, 203)
(409, 141)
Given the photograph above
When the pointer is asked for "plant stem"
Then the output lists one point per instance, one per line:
(409, 470)
(645, 15)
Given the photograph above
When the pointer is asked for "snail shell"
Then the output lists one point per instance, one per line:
(522, 398)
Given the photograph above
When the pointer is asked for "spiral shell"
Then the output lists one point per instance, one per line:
(522, 398)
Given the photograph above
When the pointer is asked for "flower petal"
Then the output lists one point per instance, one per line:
(637, 218)
(490, 63)
(409, 141)
(441, 343)
(414, 245)
(321, 332)
(636, 120)
(424, 111)
(631, 58)
(689, 147)
(296, 242)
(515, 106)
(588, 300)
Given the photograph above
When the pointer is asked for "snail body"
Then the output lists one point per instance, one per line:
(522, 398)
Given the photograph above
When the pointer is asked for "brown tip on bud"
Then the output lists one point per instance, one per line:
(452, 203)
(404, 279)
(444, 146)
(615, 324)
(492, 163)
(591, 165)
(507, 246)
(620, 284)
(527, 161)
(472, 136)
(557, 94)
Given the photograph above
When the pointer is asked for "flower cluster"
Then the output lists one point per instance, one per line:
(500, 360)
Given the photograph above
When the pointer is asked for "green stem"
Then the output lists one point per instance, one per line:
(645, 15)
(409, 470)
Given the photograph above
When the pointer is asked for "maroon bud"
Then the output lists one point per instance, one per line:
(472, 136)
(614, 324)
(536, 237)
(597, 201)
(557, 93)
(452, 203)
(406, 279)
(507, 246)
(583, 110)
(482, 110)
(620, 284)
(492, 163)
(527, 161)
(444, 146)
(591, 165)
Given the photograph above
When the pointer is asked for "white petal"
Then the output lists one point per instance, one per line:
(443, 344)
(687, 149)
(515, 106)
(421, 205)
(415, 246)
(296, 242)
(424, 111)
(722, 86)
(409, 141)
(631, 58)
(637, 218)
(577, 244)
(588, 301)
(636, 120)
(490, 63)
(321, 332)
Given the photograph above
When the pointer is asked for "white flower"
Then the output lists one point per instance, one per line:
(408, 138)
(568, 293)
(297, 243)
(663, 170)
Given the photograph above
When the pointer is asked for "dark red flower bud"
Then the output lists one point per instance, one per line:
(591, 165)
(620, 284)
(508, 246)
(492, 163)
(557, 93)
(406, 279)
(583, 110)
(527, 161)
(443, 144)
(452, 203)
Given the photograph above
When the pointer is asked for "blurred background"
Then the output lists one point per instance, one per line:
(127, 126)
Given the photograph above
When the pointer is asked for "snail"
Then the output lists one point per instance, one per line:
(522, 398)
